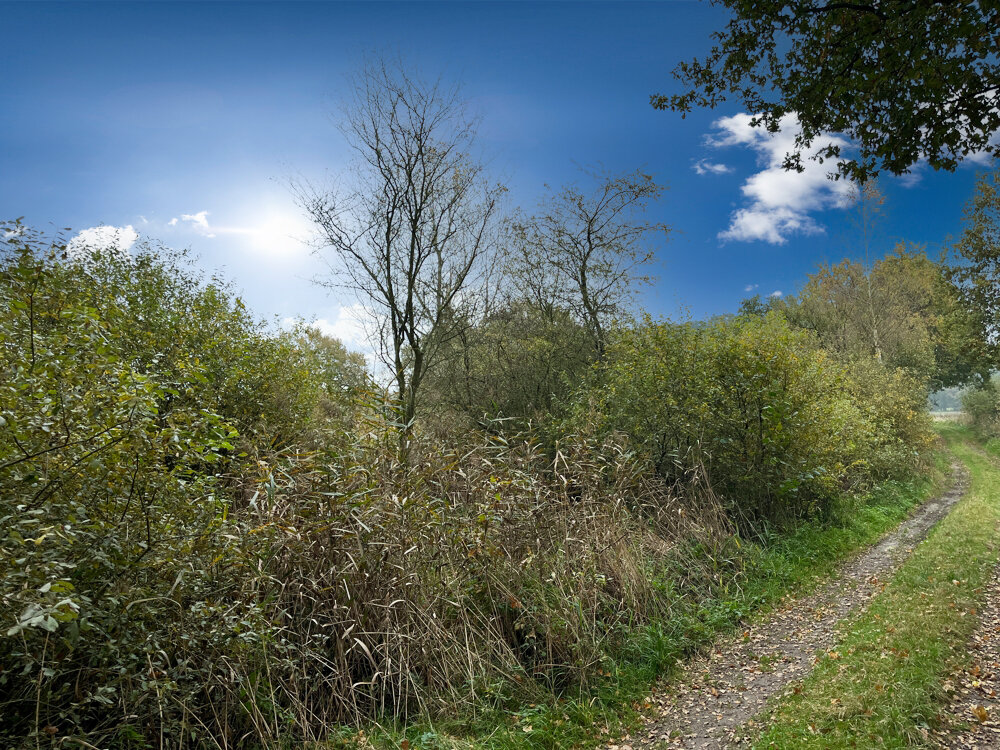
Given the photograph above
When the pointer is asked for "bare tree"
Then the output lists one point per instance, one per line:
(583, 251)
(414, 236)
(868, 202)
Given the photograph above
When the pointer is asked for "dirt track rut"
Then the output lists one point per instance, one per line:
(713, 703)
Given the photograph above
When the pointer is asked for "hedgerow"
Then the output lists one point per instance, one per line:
(782, 427)
(209, 536)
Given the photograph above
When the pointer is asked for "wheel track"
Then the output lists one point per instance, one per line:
(713, 703)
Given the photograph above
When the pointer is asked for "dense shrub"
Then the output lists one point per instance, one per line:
(193, 547)
(130, 393)
(522, 362)
(982, 408)
(782, 427)
(209, 536)
(895, 430)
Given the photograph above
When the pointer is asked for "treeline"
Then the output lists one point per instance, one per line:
(213, 534)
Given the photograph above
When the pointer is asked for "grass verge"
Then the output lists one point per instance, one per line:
(751, 580)
(881, 686)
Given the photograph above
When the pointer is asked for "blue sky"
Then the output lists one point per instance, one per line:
(186, 122)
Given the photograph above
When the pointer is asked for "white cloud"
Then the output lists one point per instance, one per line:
(775, 293)
(914, 176)
(200, 220)
(779, 201)
(172, 222)
(704, 166)
(982, 158)
(768, 224)
(351, 325)
(119, 239)
(750, 287)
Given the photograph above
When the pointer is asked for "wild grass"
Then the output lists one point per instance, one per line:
(882, 683)
(735, 584)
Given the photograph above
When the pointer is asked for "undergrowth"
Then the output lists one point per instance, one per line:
(746, 580)
(218, 535)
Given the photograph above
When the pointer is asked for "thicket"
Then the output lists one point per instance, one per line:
(976, 275)
(208, 539)
(211, 534)
(782, 427)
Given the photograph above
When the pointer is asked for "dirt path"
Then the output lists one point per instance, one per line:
(712, 704)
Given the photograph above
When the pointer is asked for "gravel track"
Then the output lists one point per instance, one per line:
(713, 703)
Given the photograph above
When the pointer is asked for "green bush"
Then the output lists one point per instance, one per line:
(209, 537)
(523, 362)
(894, 432)
(135, 399)
(781, 428)
(194, 547)
(982, 408)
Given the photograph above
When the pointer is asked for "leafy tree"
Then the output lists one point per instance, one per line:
(757, 305)
(902, 311)
(982, 407)
(584, 250)
(521, 361)
(338, 369)
(978, 252)
(415, 235)
(906, 81)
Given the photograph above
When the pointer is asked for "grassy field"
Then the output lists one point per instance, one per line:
(752, 580)
(882, 684)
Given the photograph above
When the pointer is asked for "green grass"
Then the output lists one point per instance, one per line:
(885, 689)
(751, 580)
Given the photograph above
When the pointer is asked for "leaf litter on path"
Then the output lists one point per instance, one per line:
(714, 701)
(971, 720)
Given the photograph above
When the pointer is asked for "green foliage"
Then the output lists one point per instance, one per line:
(130, 395)
(982, 408)
(341, 376)
(190, 550)
(757, 305)
(894, 431)
(779, 426)
(523, 362)
(978, 251)
(903, 311)
(209, 535)
(906, 82)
